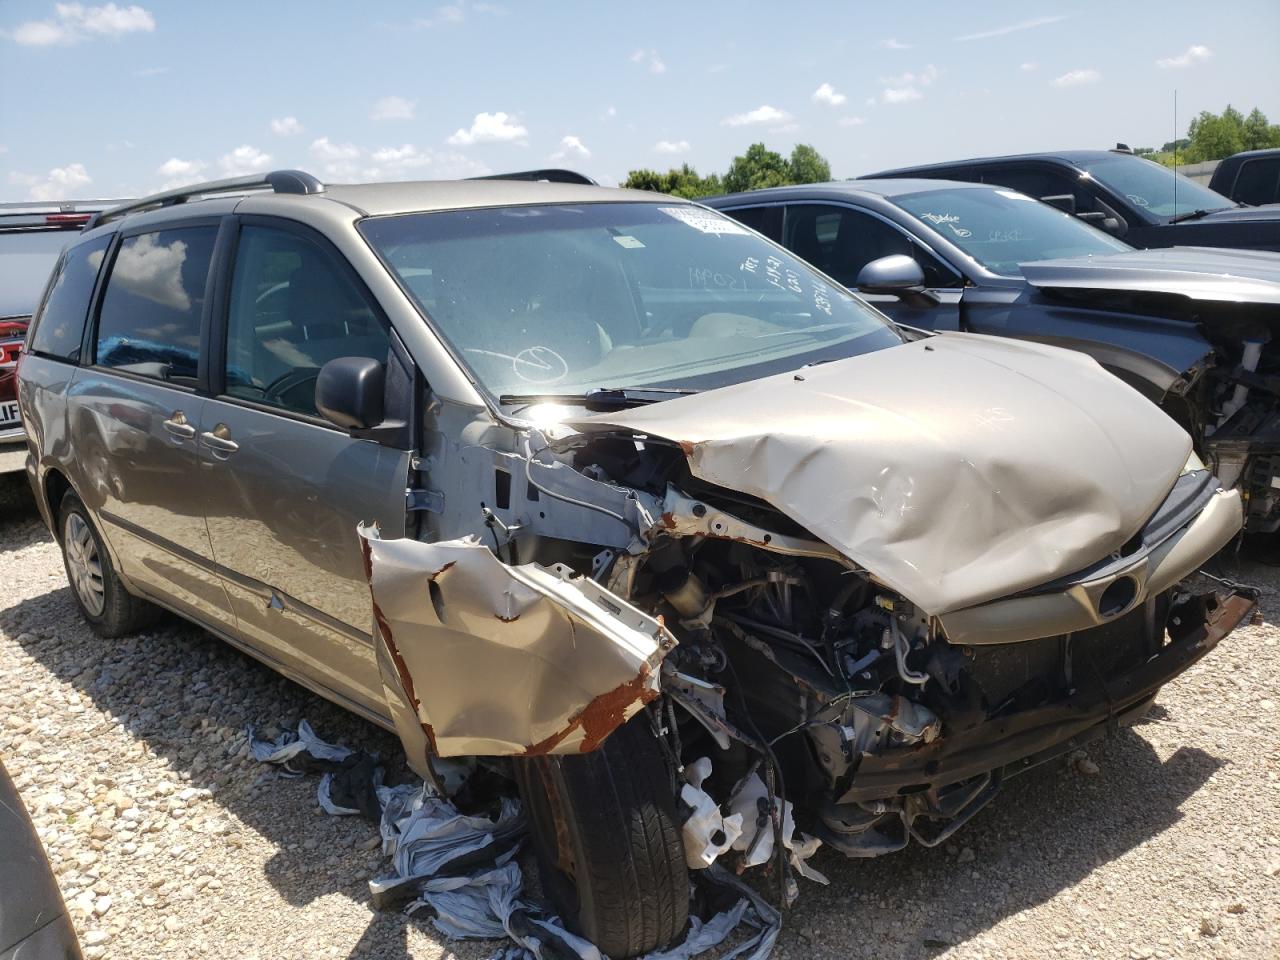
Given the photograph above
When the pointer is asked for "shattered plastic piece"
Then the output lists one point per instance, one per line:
(462, 867)
(287, 748)
(707, 833)
(756, 840)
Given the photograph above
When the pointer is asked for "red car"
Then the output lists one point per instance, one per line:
(31, 237)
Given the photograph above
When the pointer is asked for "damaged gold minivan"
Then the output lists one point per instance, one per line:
(714, 561)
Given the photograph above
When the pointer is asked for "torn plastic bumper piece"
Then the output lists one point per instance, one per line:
(489, 659)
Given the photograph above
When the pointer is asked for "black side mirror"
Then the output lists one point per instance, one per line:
(896, 273)
(1066, 202)
(349, 393)
(1096, 218)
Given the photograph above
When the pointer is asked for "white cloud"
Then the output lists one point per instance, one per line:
(717, 68)
(894, 44)
(571, 146)
(827, 94)
(1193, 54)
(180, 173)
(490, 128)
(610, 112)
(1077, 78)
(900, 94)
(672, 147)
(244, 159)
(852, 121)
(1014, 27)
(1029, 66)
(286, 126)
(150, 71)
(907, 86)
(73, 22)
(61, 183)
(760, 115)
(392, 108)
(338, 161)
(398, 163)
(651, 59)
(452, 13)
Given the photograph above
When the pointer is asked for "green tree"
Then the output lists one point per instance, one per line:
(683, 182)
(808, 165)
(1214, 136)
(756, 169)
(1258, 133)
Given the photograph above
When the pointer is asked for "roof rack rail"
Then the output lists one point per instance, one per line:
(280, 181)
(549, 175)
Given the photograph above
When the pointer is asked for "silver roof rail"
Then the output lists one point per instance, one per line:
(548, 175)
(280, 181)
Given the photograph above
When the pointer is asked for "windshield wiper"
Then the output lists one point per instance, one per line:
(1195, 214)
(604, 398)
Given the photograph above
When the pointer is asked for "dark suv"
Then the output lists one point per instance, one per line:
(1129, 196)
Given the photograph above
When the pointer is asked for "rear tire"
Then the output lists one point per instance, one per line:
(110, 610)
(608, 841)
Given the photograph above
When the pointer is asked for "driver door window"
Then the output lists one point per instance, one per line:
(293, 308)
(841, 241)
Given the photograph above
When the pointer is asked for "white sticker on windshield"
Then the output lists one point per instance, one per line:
(1014, 195)
(631, 243)
(704, 221)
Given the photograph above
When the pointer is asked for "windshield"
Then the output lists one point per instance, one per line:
(1002, 228)
(26, 260)
(566, 299)
(1150, 186)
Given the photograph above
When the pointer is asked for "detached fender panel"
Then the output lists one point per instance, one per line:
(480, 658)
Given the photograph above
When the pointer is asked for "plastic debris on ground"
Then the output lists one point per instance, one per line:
(461, 868)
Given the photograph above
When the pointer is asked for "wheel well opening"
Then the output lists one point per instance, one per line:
(56, 486)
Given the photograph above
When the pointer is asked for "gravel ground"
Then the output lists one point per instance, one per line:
(168, 842)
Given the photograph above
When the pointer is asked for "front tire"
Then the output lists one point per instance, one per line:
(110, 610)
(608, 841)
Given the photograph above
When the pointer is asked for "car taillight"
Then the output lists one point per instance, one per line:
(67, 219)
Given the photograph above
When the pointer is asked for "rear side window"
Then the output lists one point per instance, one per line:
(149, 323)
(766, 220)
(59, 328)
(1258, 182)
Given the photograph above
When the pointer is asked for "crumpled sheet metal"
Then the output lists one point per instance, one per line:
(503, 660)
(956, 469)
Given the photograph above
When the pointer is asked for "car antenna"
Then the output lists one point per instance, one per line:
(1175, 151)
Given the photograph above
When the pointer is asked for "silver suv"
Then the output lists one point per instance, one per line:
(609, 490)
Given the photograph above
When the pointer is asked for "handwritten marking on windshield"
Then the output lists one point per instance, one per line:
(532, 365)
(950, 220)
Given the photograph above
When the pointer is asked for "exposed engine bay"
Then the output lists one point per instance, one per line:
(766, 662)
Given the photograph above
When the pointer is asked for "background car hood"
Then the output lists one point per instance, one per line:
(1266, 211)
(957, 469)
(1200, 273)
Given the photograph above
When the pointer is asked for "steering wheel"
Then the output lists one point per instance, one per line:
(274, 391)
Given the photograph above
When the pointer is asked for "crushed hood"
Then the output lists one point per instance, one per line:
(956, 469)
(1198, 273)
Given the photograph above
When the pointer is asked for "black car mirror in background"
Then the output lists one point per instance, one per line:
(1066, 202)
(896, 273)
(349, 392)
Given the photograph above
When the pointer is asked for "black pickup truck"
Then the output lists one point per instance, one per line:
(1128, 196)
(1252, 177)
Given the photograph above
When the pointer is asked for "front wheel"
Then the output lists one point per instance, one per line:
(109, 608)
(608, 841)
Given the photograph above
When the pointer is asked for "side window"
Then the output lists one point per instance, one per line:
(294, 307)
(59, 326)
(766, 220)
(1258, 182)
(840, 242)
(149, 323)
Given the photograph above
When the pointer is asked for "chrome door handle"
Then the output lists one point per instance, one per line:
(178, 428)
(219, 439)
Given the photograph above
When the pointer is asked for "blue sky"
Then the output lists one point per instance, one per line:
(113, 100)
